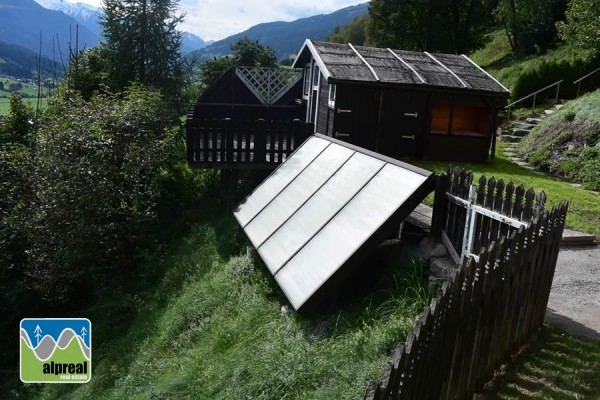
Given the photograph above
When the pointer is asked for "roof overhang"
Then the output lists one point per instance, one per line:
(307, 53)
(317, 217)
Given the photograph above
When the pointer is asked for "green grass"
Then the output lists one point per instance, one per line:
(28, 90)
(508, 70)
(496, 49)
(566, 142)
(203, 325)
(584, 207)
(5, 104)
(555, 366)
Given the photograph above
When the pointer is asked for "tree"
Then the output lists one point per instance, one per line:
(18, 126)
(245, 52)
(87, 72)
(530, 25)
(582, 26)
(454, 26)
(143, 44)
(355, 32)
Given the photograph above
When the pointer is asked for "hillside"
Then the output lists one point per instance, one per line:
(19, 62)
(286, 37)
(34, 23)
(567, 142)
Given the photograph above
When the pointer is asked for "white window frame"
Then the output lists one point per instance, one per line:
(307, 82)
(316, 75)
(332, 93)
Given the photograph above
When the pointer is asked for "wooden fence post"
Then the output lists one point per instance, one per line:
(440, 205)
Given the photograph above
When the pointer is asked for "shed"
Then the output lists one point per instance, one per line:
(402, 104)
(249, 118)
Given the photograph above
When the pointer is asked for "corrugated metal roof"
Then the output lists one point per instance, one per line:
(344, 62)
(325, 207)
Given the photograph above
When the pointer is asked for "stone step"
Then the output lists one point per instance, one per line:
(520, 132)
(511, 138)
(574, 238)
(533, 121)
(548, 112)
(523, 125)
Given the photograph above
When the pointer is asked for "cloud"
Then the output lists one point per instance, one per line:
(217, 19)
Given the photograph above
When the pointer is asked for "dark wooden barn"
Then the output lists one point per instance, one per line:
(249, 118)
(402, 104)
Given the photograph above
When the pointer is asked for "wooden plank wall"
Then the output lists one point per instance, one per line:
(481, 316)
(236, 144)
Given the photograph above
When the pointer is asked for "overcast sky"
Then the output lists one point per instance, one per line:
(217, 19)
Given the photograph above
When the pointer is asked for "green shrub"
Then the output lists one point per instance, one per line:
(94, 178)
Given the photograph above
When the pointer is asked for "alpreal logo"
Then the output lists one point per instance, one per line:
(56, 350)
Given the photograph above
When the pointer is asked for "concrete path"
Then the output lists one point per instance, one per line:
(574, 302)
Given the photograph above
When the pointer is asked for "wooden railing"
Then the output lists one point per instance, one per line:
(481, 316)
(239, 144)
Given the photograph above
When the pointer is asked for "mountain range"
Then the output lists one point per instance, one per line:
(286, 38)
(28, 24)
(52, 27)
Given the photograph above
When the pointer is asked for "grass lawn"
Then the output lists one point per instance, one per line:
(555, 366)
(200, 324)
(5, 104)
(584, 207)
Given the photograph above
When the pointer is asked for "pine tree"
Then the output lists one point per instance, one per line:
(143, 44)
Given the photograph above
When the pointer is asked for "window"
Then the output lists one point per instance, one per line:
(306, 82)
(316, 74)
(332, 95)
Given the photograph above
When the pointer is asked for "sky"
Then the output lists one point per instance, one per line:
(217, 19)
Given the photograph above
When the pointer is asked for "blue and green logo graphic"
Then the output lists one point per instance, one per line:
(56, 350)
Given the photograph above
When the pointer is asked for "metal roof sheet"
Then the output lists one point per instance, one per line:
(324, 208)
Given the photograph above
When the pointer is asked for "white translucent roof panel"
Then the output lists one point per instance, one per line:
(296, 193)
(309, 223)
(279, 179)
(348, 230)
(313, 215)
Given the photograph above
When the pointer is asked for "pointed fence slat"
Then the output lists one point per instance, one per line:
(488, 308)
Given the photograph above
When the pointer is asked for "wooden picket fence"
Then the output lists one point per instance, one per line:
(467, 218)
(481, 316)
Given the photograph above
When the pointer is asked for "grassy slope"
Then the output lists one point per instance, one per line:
(209, 326)
(29, 92)
(584, 207)
(567, 142)
(555, 366)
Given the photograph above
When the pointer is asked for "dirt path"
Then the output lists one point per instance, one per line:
(574, 302)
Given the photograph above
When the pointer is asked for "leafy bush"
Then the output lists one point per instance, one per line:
(94, 180)
(564, 63)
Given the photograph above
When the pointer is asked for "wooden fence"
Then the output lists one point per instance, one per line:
(480, 317)
(237, 144)
(467, 218)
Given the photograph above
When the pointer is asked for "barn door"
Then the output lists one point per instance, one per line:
(355, 115)
(402, 123)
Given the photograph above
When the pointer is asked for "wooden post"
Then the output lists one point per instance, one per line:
(440, 205)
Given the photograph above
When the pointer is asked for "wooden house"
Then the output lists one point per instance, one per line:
(249, 118)
(402, 104)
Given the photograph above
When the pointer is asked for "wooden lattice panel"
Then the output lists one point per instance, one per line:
(268, 84)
